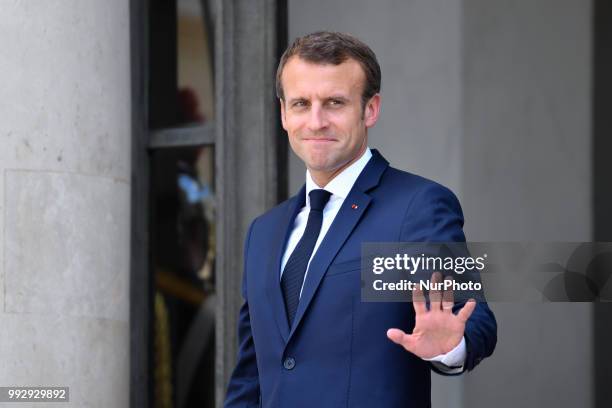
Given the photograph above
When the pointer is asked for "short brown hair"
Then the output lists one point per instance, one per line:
(326, 47)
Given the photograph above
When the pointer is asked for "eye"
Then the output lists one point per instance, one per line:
(336, 102)
(299, 104)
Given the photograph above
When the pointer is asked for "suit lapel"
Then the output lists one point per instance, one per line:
(348, 217)
(278, 239)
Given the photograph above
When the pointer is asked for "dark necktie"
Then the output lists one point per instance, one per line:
(295, 269)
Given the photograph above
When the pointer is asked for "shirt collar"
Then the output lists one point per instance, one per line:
(341, 185)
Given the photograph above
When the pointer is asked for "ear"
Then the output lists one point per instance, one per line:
(282, 112)
(372, 111)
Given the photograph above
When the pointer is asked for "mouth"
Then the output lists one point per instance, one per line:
(319, 139)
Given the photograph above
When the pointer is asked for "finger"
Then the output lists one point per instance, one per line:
(418, 300)
(399, 337)
(466, 311)
(448, 298)
(435, 295)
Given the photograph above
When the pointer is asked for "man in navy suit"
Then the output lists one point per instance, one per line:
(305, 337)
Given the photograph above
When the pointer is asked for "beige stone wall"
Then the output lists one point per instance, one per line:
(65, 142)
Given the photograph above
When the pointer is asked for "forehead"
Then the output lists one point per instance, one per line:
(300, 77)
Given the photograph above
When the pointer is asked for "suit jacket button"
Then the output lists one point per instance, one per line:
(289, 363)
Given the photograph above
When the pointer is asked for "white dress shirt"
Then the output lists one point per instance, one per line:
(339, 187)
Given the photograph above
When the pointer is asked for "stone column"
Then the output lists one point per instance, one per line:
(65, 142)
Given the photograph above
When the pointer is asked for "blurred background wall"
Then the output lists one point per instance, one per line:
(492, 99)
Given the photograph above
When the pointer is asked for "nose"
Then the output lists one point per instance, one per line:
(318, 119)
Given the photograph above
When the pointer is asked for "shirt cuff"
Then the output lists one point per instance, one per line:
(453, 360)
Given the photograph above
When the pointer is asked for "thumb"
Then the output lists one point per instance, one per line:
(395, 335)
(399, 337)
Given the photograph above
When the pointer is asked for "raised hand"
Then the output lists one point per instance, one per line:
(437, 330)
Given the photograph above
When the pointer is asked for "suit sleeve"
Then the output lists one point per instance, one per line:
(243, 388)
(435, 216)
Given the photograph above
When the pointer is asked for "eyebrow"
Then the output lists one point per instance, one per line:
(336, 97)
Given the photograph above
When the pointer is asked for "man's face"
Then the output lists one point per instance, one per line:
(323, 114)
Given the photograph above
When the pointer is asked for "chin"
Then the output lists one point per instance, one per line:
(317, 160)
(326, 167)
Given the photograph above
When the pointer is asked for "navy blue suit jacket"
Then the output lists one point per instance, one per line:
(337, 353)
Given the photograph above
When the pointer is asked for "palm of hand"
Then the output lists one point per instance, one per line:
(434, 334)
(437, 330)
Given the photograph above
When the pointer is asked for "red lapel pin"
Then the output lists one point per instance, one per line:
(354, 206)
